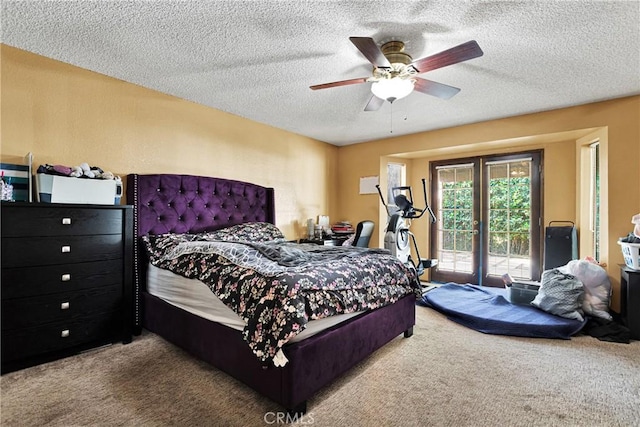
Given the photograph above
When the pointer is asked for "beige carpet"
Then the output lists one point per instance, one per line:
(445, 375)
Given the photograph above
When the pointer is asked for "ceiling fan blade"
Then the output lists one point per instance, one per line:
(436, 89)
(374, 104)
(371, 51)
(460, 53)
(340, 83)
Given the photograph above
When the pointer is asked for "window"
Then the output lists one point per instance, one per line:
(591, 193)
(396, 177)
(594, 199)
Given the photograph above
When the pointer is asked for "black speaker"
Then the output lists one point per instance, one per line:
(560, 244)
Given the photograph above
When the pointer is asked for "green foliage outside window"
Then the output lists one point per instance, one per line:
(457, 211)
(509, 215)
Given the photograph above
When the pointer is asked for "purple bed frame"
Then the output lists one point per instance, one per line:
(165, 203)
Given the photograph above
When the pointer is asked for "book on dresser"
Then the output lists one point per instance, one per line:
(67, 277)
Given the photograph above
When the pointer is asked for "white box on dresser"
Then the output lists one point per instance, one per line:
(64, 189)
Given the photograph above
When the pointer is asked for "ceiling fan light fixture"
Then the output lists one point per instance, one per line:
(392, 89)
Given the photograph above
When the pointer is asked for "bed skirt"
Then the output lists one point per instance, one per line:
(313, 362)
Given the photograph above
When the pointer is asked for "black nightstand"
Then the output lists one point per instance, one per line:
(630, 300)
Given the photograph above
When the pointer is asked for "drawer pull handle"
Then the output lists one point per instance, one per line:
(64, 305)
(66, 221)
(64, 333)
(66, 249)
(65, 277)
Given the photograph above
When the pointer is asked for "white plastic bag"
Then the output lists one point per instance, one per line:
(597, 287)
(636, 221)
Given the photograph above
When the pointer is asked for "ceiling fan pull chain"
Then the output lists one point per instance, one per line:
(391, 126)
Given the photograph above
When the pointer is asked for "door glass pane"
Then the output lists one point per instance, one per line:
(455, 218)
(509, 199)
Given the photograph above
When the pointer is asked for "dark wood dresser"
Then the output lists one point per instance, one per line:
(66, 280)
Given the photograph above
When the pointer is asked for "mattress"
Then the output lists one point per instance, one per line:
(195, 297)
(487, 310)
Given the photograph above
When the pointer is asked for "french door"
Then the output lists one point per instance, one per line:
(488, 219)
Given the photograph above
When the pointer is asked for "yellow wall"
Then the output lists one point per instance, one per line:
(557, 132)
(67, 115)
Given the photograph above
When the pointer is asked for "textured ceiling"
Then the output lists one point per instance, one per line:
(257, 59)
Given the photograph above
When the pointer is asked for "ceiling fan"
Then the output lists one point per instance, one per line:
(395, 73)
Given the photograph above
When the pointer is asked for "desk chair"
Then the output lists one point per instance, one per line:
(364, 230)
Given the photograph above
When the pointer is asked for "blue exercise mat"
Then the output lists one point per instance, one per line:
(487, 310)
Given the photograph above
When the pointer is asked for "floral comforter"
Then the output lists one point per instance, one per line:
(277, 286)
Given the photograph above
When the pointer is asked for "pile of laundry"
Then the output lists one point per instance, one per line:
(82, 171)
(634, 236)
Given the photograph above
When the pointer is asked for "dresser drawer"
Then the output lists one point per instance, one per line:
(24, 343)
(59, 221)
(21, 282)
(65, 306)
(34, 251)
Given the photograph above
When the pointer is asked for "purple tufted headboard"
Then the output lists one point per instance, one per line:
(167, 203)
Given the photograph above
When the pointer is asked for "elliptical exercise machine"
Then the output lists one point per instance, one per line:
(397, 235)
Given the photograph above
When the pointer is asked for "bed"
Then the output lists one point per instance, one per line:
(167, 204)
